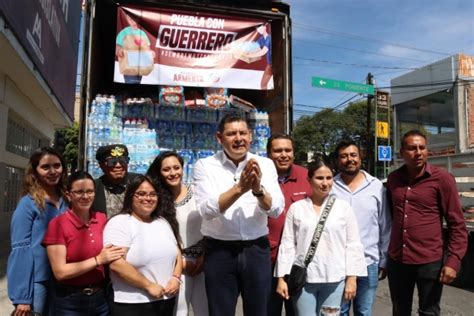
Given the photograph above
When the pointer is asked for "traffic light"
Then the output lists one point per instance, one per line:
(59, 141)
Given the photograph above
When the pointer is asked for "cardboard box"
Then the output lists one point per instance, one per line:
(136, 62)
(249, 57)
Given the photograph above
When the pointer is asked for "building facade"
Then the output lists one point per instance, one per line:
(37, 86)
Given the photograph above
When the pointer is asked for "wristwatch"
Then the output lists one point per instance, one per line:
(259, 193)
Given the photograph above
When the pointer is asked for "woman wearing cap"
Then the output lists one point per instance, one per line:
(148, 278)
(167, 171)
(74, 246)
(28, 269)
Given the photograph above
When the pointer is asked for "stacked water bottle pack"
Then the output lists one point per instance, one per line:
(104, 128)
(169, 122)
(261, 132)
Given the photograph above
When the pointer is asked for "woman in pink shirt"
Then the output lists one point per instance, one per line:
(74, 246)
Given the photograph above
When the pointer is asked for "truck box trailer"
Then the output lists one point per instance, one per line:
(103, 71)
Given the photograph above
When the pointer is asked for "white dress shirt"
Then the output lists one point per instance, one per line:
(339, 252)
(369, 202)
(245, 219)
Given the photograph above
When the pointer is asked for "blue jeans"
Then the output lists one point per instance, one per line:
(40, 297)
(365, 295)
(132, 79)
(79, 304)
(233, 267)
(315, 297)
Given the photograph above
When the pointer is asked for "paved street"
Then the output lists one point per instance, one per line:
(455, 302)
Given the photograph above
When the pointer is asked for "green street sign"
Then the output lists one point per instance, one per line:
(319, 82)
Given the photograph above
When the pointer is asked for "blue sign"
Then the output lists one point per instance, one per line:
(385, 153)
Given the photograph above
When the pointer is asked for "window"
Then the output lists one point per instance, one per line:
(432, 114)
(21, 140)
(13, 182)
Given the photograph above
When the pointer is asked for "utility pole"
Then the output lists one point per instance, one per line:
(368, 138)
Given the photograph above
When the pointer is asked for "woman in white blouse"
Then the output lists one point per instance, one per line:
(167, 172)
(339, 257)
(148, 278)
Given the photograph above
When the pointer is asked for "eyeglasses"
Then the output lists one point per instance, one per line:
(111, 162)
(141, 195)
(80, 193)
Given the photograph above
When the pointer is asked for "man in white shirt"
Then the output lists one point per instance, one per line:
(236, 191)
(367, 197)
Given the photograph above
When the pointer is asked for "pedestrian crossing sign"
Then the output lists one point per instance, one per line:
(382, 129)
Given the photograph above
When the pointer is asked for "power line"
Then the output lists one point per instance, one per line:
(335, 108)
(344, 102)
(366, 39)
(429, 83)
(360, 51)
(352, 64)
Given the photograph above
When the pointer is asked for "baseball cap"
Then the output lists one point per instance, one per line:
(114, 151)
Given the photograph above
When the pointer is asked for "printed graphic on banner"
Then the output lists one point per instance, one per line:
(158, 46)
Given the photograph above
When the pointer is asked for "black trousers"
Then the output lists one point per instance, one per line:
(276, 302)
(402, 279)
(237, 267)
(156, 308)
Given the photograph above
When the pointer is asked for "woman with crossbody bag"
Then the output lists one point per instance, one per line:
(321, 245)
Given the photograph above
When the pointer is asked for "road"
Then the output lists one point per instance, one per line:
(455, 301)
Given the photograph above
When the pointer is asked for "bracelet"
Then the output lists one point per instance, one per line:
(96, 262)
(260, 193)
(177, 278)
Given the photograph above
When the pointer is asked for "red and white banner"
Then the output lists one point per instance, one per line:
(165, 47)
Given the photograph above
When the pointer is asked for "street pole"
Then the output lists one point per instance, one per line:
(367, 136)
(376, 156)
(389, 114)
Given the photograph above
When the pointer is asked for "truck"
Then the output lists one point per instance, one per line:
(104, 73)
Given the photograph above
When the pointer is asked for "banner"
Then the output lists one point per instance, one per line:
(164, 47)
(49, 32)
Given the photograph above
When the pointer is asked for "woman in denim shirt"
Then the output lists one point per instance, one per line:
(28, 268)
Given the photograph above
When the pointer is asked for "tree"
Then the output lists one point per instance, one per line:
(317, 133)
(71, 141)
(322, 131)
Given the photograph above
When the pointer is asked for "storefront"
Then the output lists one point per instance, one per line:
(437, 99)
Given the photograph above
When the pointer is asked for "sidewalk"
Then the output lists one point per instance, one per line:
(5, 305)
(455, 301)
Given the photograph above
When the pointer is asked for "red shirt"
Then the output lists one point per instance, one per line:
(418, 209)
(295, 187)
(82, 241)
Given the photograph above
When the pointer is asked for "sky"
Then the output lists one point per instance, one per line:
(345, 40)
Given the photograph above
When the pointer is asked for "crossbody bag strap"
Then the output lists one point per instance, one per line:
(319, 230)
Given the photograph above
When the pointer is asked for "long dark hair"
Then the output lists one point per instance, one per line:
(32, 186)
(165, 207)
(154, 171)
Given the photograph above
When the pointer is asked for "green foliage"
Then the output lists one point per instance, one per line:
(71, 137)
(322, 131)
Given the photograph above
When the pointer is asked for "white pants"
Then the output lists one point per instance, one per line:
(192, 292)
